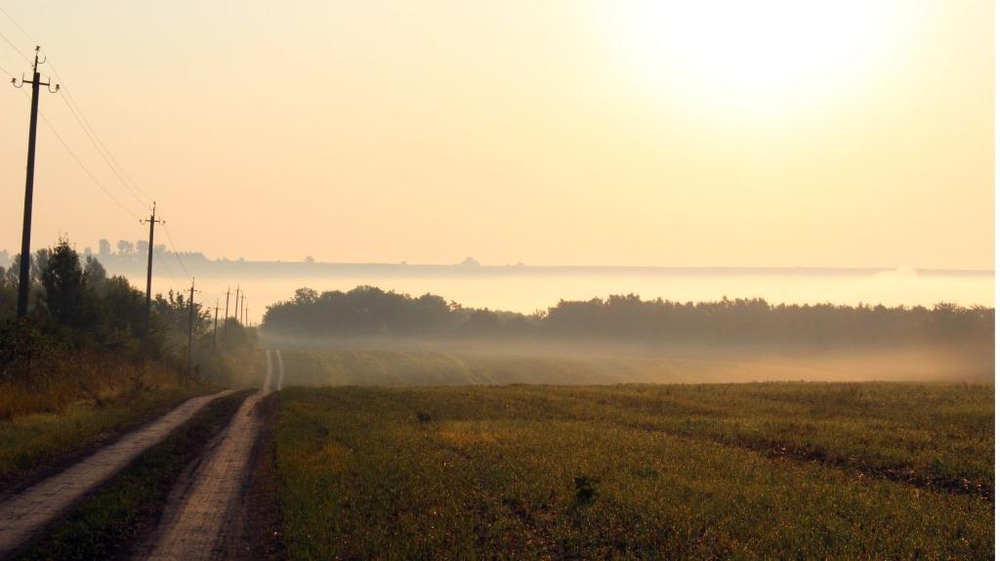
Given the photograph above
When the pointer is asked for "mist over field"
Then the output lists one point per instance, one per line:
(402, 362)
(624, 338)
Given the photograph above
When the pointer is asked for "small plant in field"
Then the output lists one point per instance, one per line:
(586, 489)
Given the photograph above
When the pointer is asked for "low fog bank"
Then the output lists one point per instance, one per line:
(626, 339)
(380, 360)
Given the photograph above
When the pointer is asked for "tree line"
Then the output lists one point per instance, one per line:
(122, 249)
(370, 311)
(75, 306)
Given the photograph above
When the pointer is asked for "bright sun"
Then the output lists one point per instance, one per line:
(754, 56)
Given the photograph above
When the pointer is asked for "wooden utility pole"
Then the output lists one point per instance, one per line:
(215, 325)
(24, 280)
(153, 221)
(236, 312)
(190, 328)
(225, 316)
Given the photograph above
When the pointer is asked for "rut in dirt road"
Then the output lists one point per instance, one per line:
(281, 370)
(194, 528)
(27, 512)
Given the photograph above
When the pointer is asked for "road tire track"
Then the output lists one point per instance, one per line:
(267, 377)
(198, 525)
(281, 370)
(194, 530)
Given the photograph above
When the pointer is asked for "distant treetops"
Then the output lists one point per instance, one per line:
(368, 311)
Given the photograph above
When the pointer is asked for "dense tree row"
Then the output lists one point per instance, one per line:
(75, 306)
(756, 322)
(367, 311)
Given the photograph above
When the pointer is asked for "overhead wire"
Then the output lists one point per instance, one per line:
(159, 259)
(95, 139)
(80, 163)
(17, 25)
(13, 46)
(86, 170)
(173, 249)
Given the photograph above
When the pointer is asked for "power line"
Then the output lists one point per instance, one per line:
(170, 239)
(85, 169)
(99, 145)
(17, 25)
(162, 261)
(92, 136)
(13, 46)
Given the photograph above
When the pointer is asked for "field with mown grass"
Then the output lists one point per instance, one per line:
(760, 470)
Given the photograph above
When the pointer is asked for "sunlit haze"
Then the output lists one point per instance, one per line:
(717, 133)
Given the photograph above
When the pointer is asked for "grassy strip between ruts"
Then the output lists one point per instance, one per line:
(107, 522)
(531, 472)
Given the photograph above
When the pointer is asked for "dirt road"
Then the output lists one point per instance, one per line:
(24, 514)
(197, 519)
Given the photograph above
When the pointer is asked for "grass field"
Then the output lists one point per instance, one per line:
(778, 470)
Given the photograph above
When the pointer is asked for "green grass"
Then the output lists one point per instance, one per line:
(637, 472)
(104, 524)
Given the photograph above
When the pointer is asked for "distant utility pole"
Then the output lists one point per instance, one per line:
(215, 325)
(24, 280)
(236, 313)
(190, 327)
(225, 317)
(153, 221)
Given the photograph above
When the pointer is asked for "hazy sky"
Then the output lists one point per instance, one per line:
(711, 133)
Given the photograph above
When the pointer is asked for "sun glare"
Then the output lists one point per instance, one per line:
(757, 56)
